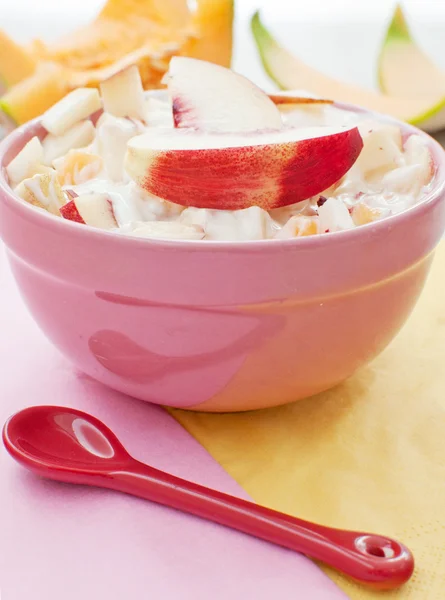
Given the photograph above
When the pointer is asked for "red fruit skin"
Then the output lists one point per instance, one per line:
(183, 115)
(70, 212)
(269, 176)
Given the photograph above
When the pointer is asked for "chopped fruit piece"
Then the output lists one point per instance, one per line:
(229, 171)
(123, 94)
(416, 152)
(80, 135)
(334, 216)
(210, 97)
(112, 136)
(70, 212)
(76, 106)
(92, 209)
(382, 148)
(404, 70)
(294, 98)
(15, 62)
(254, 223)
(407, 180)
(27, 161)
(44, 191)
(362, 214)
(172, 230)
(426, 111)
(77, 166)
(298, 226)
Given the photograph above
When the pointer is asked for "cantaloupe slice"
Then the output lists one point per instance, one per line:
(32, 96)
(15, 62)
(404, 69)
(170, 13)
(427, 112)
(211, 25)
(106, 41)
(152, 67)
(124, 26)
(146, 33)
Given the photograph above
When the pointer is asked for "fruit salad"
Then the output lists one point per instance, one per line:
(213, 157)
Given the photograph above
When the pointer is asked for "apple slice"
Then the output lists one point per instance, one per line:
(91, 209)
(78, 136)
(233, 171)
(427, 112)
(27, 162)
(76, 106)
(123, 94)
(210, 97)
(70, 212)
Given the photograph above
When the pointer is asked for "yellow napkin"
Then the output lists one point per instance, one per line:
(367, 455)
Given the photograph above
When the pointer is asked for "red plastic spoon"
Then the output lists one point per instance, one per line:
(71, 446)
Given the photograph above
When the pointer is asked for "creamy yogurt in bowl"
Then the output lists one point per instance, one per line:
(95, 174)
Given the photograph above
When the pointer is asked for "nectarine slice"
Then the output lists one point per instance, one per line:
(210, 97)
(91, 209)
(233, 171)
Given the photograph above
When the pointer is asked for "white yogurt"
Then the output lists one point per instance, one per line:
(388, 177)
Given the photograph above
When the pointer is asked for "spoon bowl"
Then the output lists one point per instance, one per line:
(48, 439)
(71, 446)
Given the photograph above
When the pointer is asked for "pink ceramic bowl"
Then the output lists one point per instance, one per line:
(219, 326)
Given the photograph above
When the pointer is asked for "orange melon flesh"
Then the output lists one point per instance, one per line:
(125, 26)
(15, 62)
(32, 96)
(103, 42)
(291, 73)
(152, 68)
(126, 32)
(170, 13)
(212, 24)
(404, 69)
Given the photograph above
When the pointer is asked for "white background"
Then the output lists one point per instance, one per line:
(340, 37)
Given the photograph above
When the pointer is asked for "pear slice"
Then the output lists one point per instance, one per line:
(427, 112)
(404, 69)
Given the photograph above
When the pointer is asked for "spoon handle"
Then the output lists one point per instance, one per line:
(370, 559)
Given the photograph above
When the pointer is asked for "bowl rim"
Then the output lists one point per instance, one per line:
(45, 219)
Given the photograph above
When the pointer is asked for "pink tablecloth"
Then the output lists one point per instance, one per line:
(60, 542)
